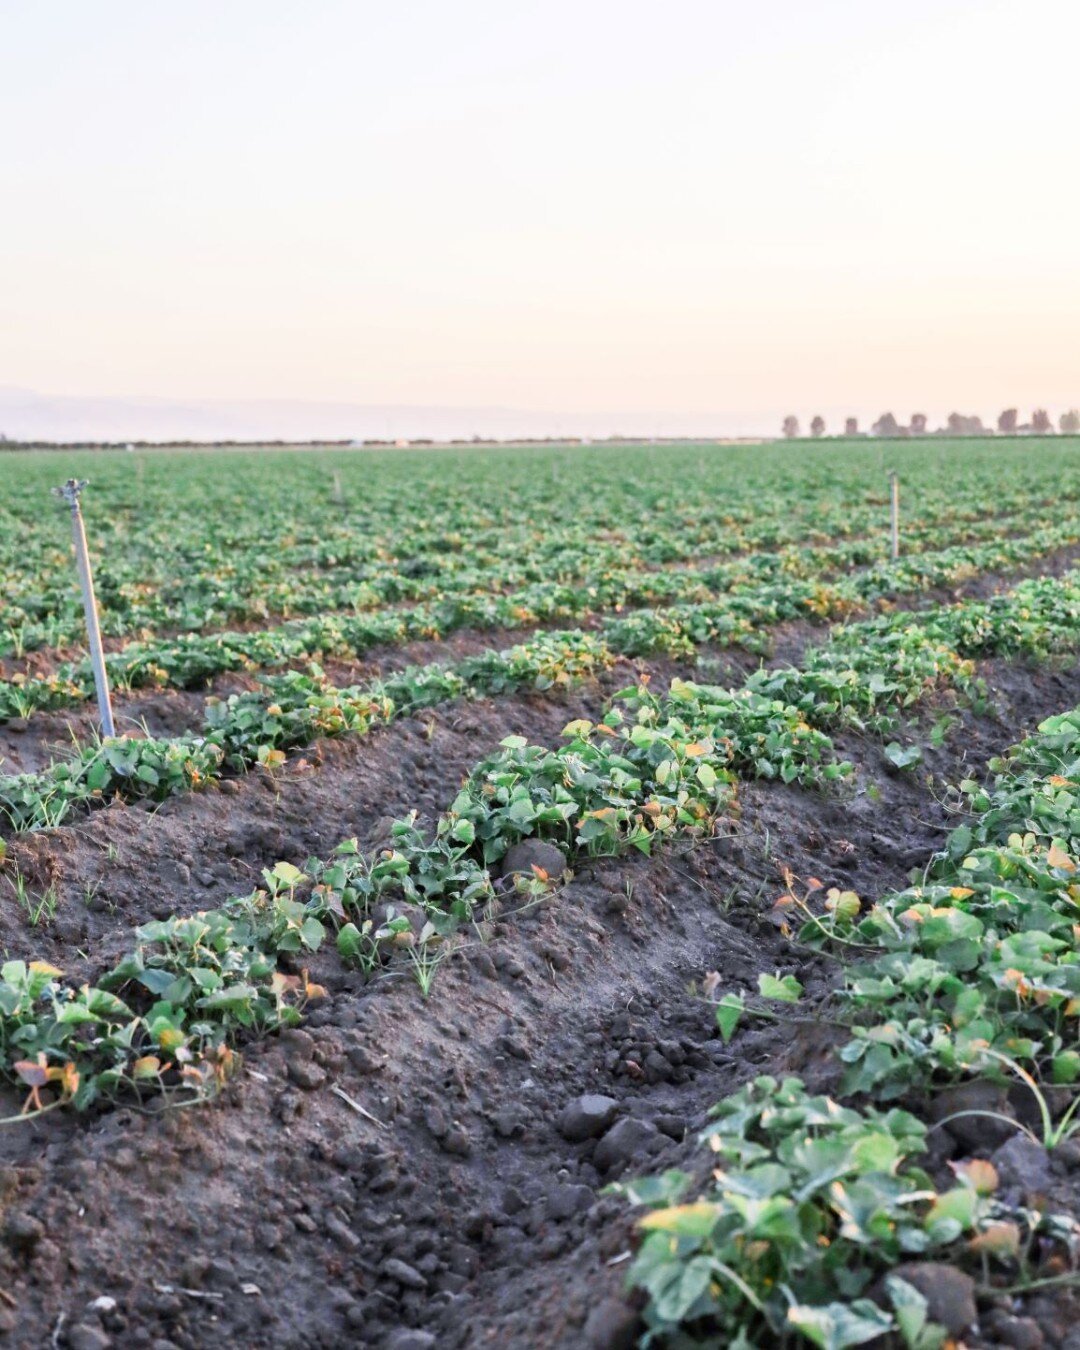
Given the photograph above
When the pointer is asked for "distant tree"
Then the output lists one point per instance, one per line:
(1007, 422)
(1040, 421)
(791, 426)
(954, 424)
(851, 426)
(817, 426)
(886, 425)
(959, 424)
(918, 424)
(1070, 422)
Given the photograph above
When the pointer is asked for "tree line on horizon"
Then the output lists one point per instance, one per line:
(956, 424)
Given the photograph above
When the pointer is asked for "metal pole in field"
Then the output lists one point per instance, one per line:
(894, 486)
(70, 493)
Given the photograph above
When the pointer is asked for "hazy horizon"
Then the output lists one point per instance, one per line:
(28, 416)
(589, 215)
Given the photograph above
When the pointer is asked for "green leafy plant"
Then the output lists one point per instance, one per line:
(809, 1204)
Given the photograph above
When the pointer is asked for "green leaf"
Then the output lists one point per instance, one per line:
(728, 1012)
(287, 874)
(903, 756)
(157, 981)
(464, 832)
(838, 1325)
(349, 942)
(785, 990)
(911, 1314)
(682, 1286)
(706, 776)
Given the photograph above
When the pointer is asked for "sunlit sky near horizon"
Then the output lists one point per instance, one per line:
(701, 207)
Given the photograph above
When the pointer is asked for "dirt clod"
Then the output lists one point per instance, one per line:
(949, 1293)
(532, 855)
(586, 1117)
(611, 1326)
(627, 1141)
(975, 1130)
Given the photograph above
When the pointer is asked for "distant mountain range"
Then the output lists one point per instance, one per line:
(29, 416)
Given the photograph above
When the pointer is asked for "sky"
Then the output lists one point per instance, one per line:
(700, 210)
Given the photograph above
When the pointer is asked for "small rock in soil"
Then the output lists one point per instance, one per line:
(363, 1060)
(533, 853)
(306, 1074)
(975, 1131)
(1023, 1163)
(611, 1326)
(673, 1126)
(456, 1141)
(1022, 1333)
(403, 1273)
(341, 1231)
(624, 1142)
(411, 1340)
(23, 1232)
(509, 1122)
(82, 1336)
(586, 1117)
(949, 1293)
(297, 1043)
(567, 1200)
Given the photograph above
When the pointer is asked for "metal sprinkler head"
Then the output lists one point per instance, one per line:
(71, 490)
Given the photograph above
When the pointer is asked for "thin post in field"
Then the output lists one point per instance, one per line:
(70, 493)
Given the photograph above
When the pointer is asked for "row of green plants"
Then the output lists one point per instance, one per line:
(865, 675)
(194, 542)
(973, 972)
(287, 711)
(359, 583)
(746, 608)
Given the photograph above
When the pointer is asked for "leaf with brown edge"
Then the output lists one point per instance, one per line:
(980, 1175)
(33, 1072)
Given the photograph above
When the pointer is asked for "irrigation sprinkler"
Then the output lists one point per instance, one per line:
(894, 493)
(70, 493)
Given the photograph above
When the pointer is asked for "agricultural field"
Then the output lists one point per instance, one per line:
(573, 896)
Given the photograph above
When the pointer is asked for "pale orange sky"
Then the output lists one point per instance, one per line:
(698, 207)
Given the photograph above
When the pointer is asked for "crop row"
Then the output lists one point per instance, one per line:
(734, 618)
(352, 577)
(858, 676)
(972, 973)
(260, 726)
(228, 564)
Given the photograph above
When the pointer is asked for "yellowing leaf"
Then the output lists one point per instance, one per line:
(43, 968)
(694, 1220)
(1000, 1239)
(980, 1175)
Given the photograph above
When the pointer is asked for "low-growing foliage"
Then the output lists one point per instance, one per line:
(809, 1204)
